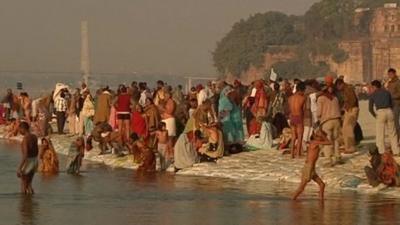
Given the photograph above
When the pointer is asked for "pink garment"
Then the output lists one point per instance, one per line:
(2, 115)
(113, 118)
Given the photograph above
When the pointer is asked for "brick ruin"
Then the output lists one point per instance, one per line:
(369, 56)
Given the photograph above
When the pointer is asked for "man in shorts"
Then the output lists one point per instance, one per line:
(29, 162)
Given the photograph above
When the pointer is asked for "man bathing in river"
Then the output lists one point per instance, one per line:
(29, 163)
(296, 109)
(162, 145)
(319, 138)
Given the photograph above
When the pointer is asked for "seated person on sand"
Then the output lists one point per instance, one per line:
(147, 156)
(263, 140)
(284, 141)
(12, 128)
(48, 157)
(76, 153)
(213, 147)
(384, 169)
(317, 139)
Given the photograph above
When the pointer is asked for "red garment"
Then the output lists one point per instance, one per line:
(123, 103)
(260, 105)
(254, 127)
(2, 115)
(389, 169)
(259, 108)
(138, 125)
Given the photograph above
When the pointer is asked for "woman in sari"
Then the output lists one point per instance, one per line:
(138, 122)
(152, 115)
(230, 117)
(48, 158)
(76, 153)
(259, 108)
(185, 149)
(88, 112)
(43, 116)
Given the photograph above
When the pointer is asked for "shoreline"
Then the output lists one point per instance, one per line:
(261, 165)
(62, 143)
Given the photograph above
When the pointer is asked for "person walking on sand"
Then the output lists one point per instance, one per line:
(318, 138)
(385, 120)
(29, 162)
(103, 107)
(61, 108)
(296, 117)
(393, 86)
(328, 113)
(351, 110)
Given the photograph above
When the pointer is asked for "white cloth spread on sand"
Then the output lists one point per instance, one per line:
(171, 126)
(263, 140)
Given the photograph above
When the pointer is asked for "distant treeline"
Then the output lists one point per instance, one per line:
(315, 33)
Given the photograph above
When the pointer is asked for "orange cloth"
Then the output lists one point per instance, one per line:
(329, 80)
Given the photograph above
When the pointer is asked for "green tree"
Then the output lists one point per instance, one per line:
(248, 41)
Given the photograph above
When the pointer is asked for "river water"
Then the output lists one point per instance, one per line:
(111, 197)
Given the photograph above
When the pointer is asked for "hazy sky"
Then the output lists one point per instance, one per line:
(154, 36)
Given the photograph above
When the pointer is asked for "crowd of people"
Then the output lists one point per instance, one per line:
(208, 122)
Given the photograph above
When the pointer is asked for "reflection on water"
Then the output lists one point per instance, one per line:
(105, 196)
(28, 209)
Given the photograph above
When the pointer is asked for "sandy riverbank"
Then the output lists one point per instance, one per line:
(267, 165)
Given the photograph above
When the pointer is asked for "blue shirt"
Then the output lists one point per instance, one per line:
(382, 99)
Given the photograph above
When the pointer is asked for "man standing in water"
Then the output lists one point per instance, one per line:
(309, 173)
(296, 109)
(29, 163)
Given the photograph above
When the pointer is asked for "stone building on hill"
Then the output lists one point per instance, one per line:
(371, 56)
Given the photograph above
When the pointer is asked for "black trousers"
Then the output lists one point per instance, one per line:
(60, 122)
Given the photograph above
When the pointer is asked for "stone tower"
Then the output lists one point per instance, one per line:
(385, 39)
(85, 59)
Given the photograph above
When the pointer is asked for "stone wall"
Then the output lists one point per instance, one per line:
(355, 69)
(284, 53)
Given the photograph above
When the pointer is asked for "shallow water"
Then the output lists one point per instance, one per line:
(105, 196)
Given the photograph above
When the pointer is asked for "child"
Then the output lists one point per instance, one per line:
(309, 173)
(148, 158)
(162, 144)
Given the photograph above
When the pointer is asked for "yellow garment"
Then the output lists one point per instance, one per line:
(49, 162)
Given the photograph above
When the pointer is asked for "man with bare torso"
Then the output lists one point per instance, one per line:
(168, 117)
(296, 116)
(29, 162)
(162, 145)
(318, 138)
